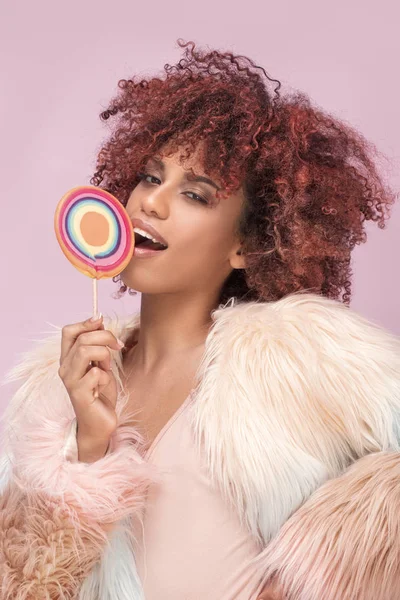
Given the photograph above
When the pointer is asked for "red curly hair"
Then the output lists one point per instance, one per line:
(310, 181)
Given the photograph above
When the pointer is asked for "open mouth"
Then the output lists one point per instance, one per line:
(143, 242)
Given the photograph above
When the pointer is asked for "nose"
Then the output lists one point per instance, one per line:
(156, 201)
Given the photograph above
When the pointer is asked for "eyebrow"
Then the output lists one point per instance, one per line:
(187, 176)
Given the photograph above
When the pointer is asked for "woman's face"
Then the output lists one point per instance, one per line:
(198, 228)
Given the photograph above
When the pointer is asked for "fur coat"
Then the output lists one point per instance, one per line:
(297, 408)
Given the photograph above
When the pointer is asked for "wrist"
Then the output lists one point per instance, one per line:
(89, 449)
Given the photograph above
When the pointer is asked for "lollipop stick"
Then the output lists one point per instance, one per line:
(95, 312)
(95, 303)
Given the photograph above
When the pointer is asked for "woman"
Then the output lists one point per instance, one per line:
(246, 440)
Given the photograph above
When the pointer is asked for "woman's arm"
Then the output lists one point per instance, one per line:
(344, 542)
(55, 512)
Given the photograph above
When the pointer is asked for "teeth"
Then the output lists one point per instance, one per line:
(147, 235)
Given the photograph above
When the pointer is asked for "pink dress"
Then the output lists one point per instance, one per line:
(190, 544)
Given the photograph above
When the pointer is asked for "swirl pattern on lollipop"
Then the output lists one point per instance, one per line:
(94, 232)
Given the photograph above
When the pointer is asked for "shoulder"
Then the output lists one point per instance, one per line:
(307, 327)
(345, 366)
(305, 314)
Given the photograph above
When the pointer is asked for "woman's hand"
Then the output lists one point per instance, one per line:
(82, 343)
(271, 591)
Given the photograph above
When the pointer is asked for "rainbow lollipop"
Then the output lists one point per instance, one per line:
(95, 233)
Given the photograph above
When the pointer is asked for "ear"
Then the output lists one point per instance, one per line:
(237, 258)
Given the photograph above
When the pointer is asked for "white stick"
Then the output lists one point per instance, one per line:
(95, 313)
(95, 302)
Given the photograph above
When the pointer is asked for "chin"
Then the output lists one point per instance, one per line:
(143, 284)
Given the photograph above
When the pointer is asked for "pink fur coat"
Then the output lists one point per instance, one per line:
(297, 408)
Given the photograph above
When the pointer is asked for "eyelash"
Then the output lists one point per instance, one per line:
(143, 175)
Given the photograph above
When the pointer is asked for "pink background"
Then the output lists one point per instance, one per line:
(60, 64)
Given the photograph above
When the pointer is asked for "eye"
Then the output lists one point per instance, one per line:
(144, 176)
(198, 198)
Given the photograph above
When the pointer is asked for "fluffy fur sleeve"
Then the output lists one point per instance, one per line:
(55, 512)
(344, 542)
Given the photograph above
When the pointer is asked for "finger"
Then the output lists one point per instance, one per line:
(80, 361)
(82, 394)
(271, 591)
(98, 338)
(96, 380)
(268, 595)
(70, 333)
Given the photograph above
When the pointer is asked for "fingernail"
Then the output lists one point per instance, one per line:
(120, 343)
(93, 319)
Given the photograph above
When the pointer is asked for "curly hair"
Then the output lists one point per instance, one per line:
(310, 181)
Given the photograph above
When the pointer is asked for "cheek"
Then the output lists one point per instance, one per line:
(218, 238)
(204, 252)
(205, 246)
(131, 200)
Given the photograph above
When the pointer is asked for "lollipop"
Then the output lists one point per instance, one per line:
(95, 234)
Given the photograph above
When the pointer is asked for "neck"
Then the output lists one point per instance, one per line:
(171, 328)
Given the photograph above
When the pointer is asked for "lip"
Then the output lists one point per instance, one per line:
(149, 229)
(145, 252)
